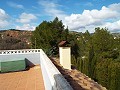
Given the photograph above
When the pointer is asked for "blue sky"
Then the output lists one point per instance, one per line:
(78, 15)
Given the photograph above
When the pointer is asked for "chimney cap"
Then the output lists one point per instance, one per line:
(63, 43)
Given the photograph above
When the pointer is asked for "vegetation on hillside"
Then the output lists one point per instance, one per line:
(100, 57)
(14, 39)
(97, 55)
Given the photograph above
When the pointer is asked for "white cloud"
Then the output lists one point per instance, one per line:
(26, 18)
(3, 19)
(114, 26)
(15, 5)
(51, 8)
(3, 24)
(25, 27)
(3, 14)
(115, 6)
(94, 18)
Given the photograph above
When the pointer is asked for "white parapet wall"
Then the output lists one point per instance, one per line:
(65, 57)
(53, 79)
(33, 55)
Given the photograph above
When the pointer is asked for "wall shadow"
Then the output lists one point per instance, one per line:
(28, 64)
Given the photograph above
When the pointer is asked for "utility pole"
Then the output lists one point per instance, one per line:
(35, 43)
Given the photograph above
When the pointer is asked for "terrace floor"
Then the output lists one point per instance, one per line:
(24, 80)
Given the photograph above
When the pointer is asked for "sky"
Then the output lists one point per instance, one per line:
(78, 15)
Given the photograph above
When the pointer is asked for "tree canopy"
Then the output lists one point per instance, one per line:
(48, 34)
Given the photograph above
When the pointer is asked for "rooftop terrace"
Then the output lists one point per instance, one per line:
(45, 77)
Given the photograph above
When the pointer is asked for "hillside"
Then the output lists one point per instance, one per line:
(15, 39)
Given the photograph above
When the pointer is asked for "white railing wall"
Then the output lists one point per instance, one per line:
(52, 77)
